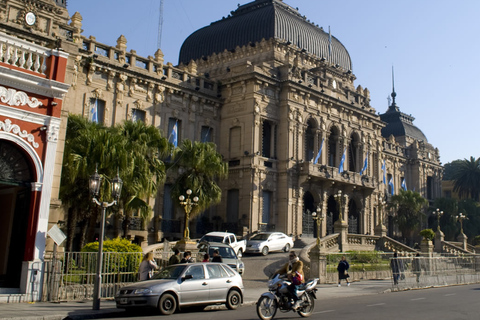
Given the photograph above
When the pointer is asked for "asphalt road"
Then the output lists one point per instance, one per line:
(446, 303)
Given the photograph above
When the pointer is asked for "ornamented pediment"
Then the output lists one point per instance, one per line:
(13, 97)
(7, 126)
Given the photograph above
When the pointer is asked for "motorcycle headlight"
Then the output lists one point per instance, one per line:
(143, 291)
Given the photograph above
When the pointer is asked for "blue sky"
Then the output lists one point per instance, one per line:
(433, 45)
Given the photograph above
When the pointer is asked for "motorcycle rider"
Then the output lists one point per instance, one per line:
(294, 270)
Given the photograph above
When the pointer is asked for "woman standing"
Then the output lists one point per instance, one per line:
(343, 271)
(147, 266)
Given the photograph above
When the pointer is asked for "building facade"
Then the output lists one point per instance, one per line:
(276, 94)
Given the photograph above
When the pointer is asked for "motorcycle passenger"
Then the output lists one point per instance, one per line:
(294, 270)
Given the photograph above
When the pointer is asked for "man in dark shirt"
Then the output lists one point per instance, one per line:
(216, 256)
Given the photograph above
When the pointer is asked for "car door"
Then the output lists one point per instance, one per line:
(274, 242)
(218, 282)
(194, 287)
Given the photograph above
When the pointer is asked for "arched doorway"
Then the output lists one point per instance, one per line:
(332, 214)
(353, 217)
(309, 228)
(16, 176)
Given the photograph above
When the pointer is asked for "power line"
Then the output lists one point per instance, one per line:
(160, 24)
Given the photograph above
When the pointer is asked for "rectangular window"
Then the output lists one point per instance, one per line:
(173, 131)
(429, 188)
(267, 139)
(266, 206)
(138, 115)
(232, 205)
(206, 135)
(97, 110)
(167, 216)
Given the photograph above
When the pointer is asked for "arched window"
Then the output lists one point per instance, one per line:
(353, 152)
(310, 140)
(332, 147)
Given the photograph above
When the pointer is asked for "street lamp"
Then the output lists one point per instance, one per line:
(341, 199)
(95, 183)
(187, 204)
(318, 216)
(460, 218)
(438, 213)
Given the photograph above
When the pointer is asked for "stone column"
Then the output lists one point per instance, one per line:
(341, 227)
(439, 238)
(318, 264)
(426, 247)
(463, 239)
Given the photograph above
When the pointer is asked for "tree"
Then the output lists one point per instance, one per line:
(467, 178)
(408, 206)
(200, 166)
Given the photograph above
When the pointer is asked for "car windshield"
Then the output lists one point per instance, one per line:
(225, 252)
(170, 272)
(211, 239)
(260, 236)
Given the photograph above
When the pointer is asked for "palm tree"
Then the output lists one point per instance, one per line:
(144, 170)
(200, 166)
(467, 178)
(408, 206)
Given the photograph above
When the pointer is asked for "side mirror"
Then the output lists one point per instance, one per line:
(186, 277)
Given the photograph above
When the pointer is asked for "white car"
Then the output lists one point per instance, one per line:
(264, 242)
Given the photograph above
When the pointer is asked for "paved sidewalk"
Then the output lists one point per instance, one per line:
(83, 310)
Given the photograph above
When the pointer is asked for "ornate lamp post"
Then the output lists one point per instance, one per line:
(460, 219)
(318, 216)
(187, 203)
(341, 199)
(438, 214)
(95, 184)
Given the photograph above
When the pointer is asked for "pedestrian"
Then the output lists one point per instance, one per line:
(147, 267)
(417, 267)
(396, 264)
(216, 256)
(187, 257)
(294, 270)
(175, 258)
(206, 257)
(342, 269)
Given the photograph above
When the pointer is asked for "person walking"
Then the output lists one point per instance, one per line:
(216, 256)
(175, 258)
(417, 267)
(147, 267)
(294, 270)
(396, 264)
(342, 269)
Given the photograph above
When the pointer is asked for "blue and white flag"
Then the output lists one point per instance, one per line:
(94, 112)
(319, 153)
(404, 185)
(365, 165)
(174, 135)
(384, 169)
(342, 163)
(390, 183)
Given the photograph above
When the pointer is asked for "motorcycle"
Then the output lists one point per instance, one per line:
(279, 297)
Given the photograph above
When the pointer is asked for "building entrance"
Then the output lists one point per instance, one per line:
(15, 181)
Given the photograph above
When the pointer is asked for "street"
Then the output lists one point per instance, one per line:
(446, 303)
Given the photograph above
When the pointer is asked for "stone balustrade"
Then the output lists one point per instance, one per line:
(23, 54)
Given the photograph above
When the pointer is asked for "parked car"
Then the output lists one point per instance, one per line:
(228, 238)
(183, 285)
(226, 252)
(264, 242)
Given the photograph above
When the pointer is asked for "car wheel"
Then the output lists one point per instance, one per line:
(265, 250)
(234, 299)
(167, 304)
(239, 254)
(286, 248)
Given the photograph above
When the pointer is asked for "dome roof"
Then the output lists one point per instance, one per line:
(264, 19)
(400, 124)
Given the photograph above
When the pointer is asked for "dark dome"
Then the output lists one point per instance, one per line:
(263, 19)
(400, 124)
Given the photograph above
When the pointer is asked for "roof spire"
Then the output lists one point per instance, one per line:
(393, 106)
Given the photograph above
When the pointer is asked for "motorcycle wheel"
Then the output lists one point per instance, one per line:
(266, 308)
(309, 305)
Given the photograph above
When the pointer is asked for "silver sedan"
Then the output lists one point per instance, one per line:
(182, 285)
(264, 242)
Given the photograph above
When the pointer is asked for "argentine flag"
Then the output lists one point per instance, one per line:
(342, 163)
(365, 165)
(319, 153)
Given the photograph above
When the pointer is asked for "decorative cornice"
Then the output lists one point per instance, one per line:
(13, 97)
(8, 127)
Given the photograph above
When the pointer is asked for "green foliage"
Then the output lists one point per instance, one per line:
(477, 240)
(117, 263)
(467, 179)
(365, 256)
(450, 169)
(408, 206)
(427, 234)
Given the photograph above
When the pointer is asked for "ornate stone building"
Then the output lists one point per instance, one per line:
(271, 89)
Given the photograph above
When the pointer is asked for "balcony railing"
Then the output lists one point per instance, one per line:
(23, 54)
